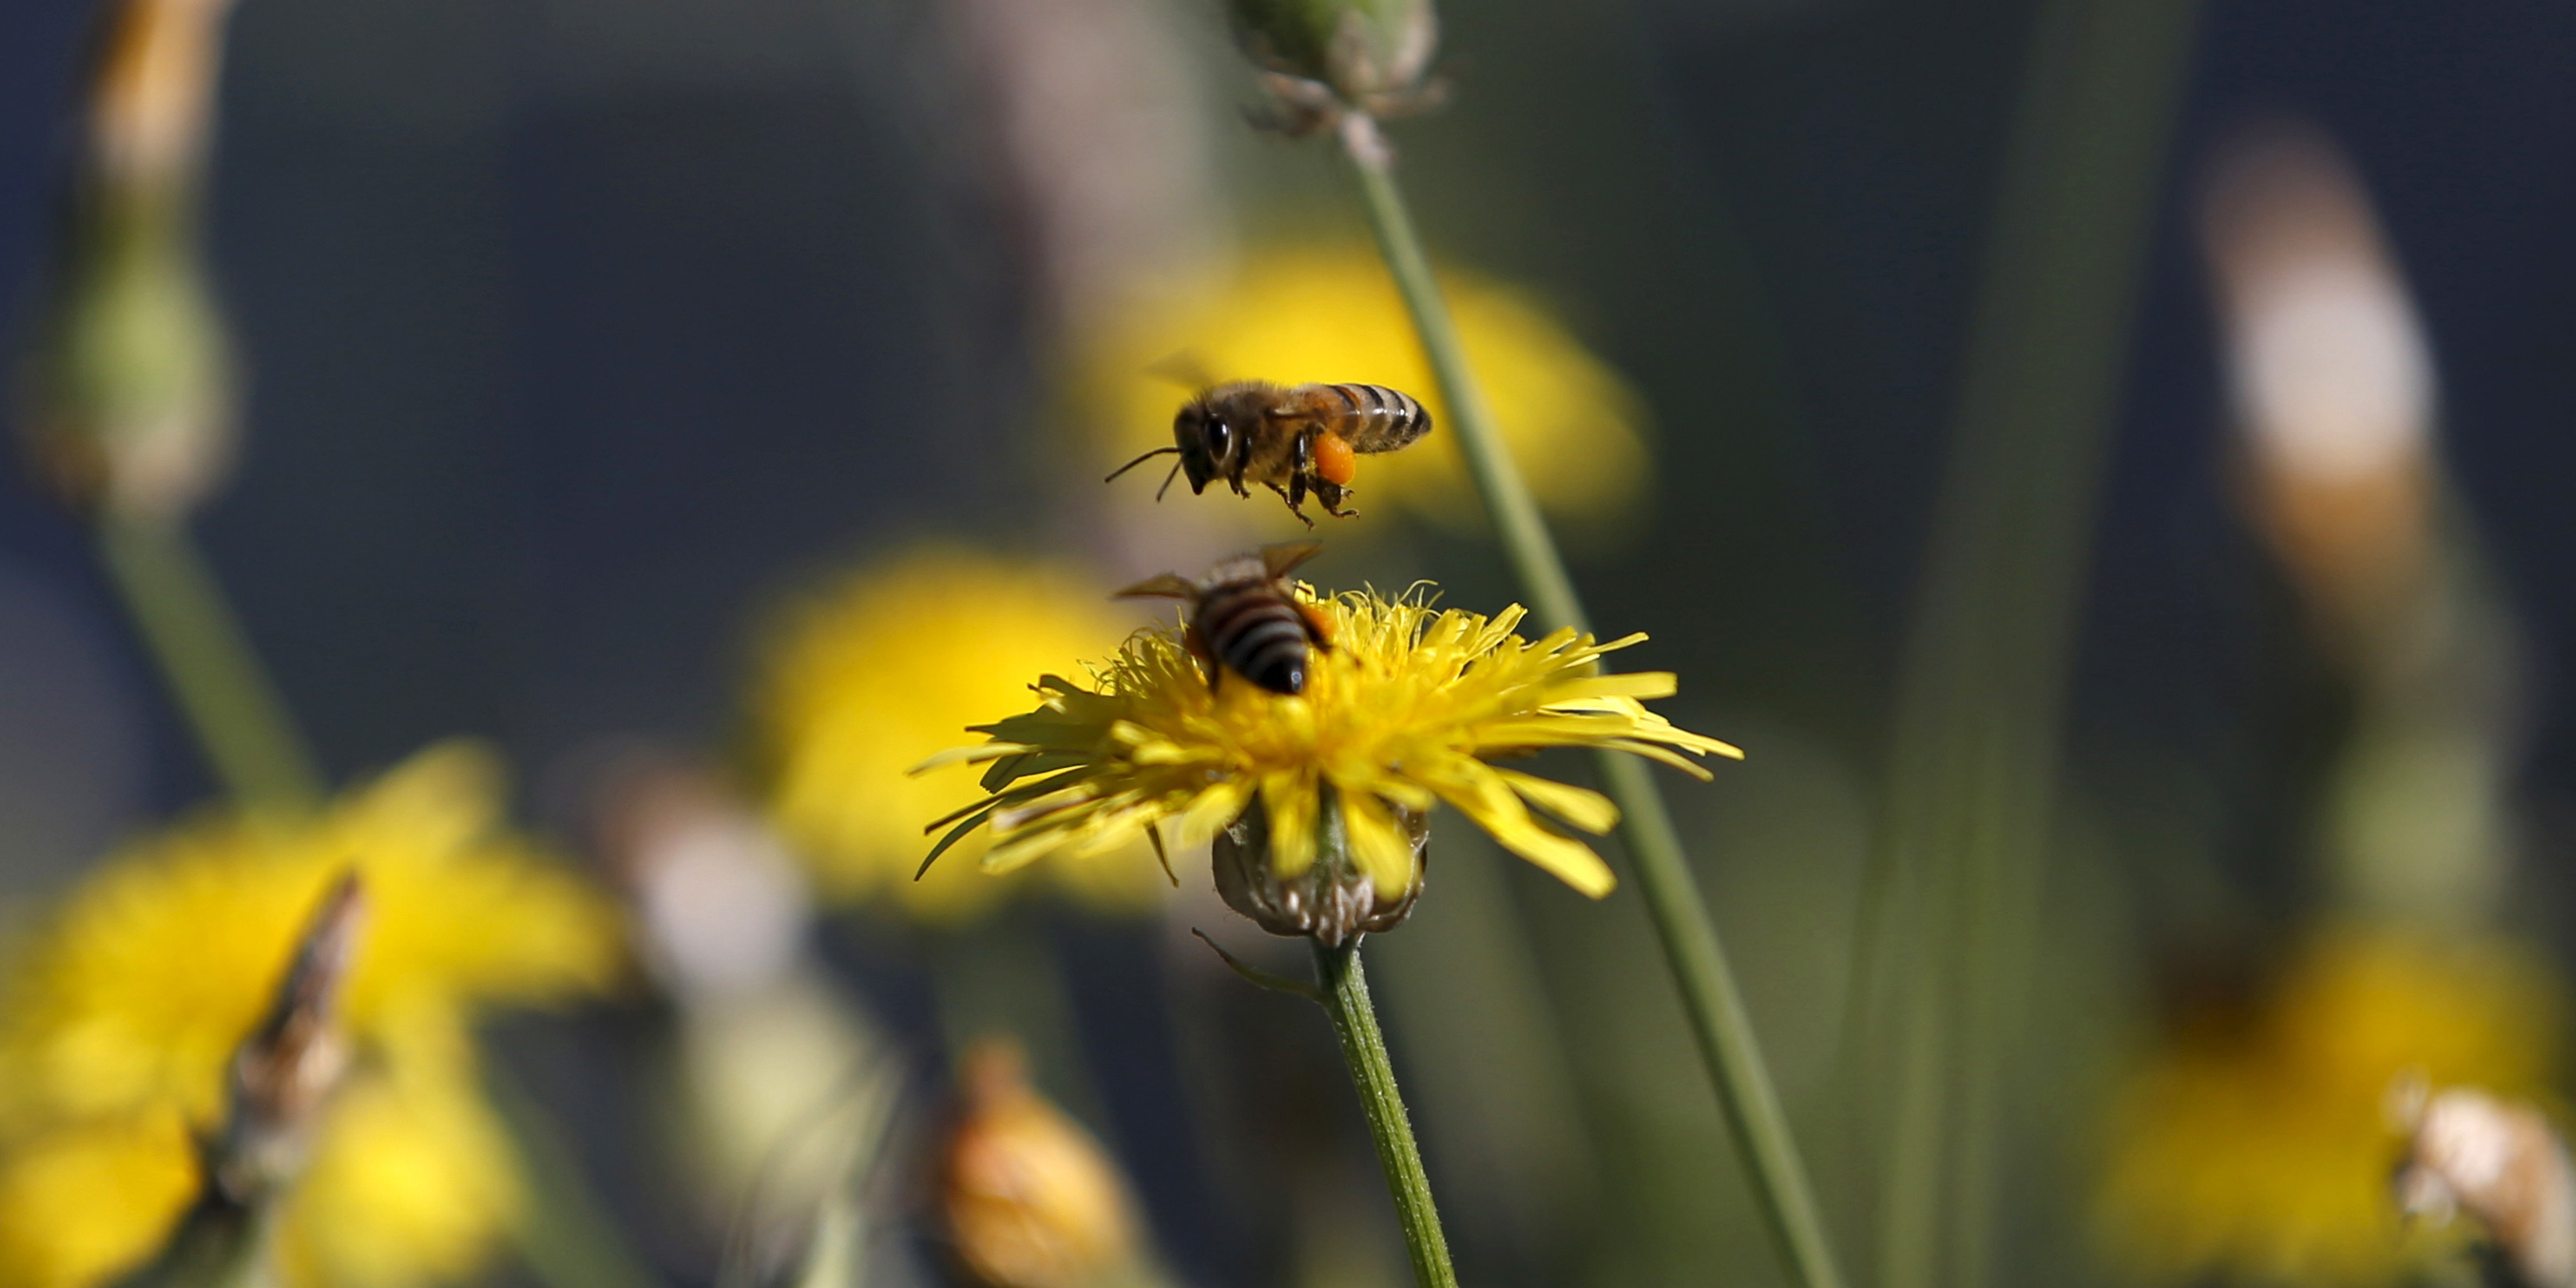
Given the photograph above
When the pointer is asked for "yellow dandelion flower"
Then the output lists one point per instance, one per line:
(1403, 711)
(122, 1014)
(850, 698)
(1331, 314)
(2263, 1146)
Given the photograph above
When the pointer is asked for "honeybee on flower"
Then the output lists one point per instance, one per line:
(1404, 712)
(1245, 617)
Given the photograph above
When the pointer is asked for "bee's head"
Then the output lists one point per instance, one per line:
(1209, 445)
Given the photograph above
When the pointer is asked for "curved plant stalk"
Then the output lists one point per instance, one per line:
(1719, 1023)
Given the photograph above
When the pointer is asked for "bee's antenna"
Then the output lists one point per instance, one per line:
(1113, 474)
(1167, 480)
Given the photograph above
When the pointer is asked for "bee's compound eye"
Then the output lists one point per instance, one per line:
(1220, 437)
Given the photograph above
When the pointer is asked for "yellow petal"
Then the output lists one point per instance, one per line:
(1404, 792)
(1021, 850)
(1107, 832)
(1378, 844)
(1563, 857)
(1662, 755)
(1044, 808)
(1634, 684)
(1292, 801)
(1212, 809)
(976, 754)
(1479, 792)
(1578, 806)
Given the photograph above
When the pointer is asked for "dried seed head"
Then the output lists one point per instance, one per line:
(1029, 1199)
(1365, 54)
(1332, 900)
(289, 1066)
(2499, 1162)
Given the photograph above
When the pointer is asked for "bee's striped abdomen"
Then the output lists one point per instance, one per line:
(1253, 628)
(1374, 418)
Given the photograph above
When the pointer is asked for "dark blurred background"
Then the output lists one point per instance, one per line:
(576, 329)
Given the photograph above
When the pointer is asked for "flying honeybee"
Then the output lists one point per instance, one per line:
(1292, 439)
(1245, 616)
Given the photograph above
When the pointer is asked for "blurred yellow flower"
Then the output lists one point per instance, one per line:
(866, 680)
(1332, 314)
(122, 1013)
(2263, 1147)
(1403, 710)
(412, 1178)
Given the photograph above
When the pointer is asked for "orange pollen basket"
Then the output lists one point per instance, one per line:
(1335, 460)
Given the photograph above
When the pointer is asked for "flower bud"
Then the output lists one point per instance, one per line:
(1370, 53)
(128, 396)
(1029, 1199)
(1332, 900)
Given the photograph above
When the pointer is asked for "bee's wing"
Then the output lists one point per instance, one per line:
(1282, 558)
(1182, 367)
(1170, 585)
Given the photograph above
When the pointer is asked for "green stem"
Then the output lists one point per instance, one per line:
(1977, 753)
(1346, 998)
(207, 662)
(1526, 543)
(1715, 1007)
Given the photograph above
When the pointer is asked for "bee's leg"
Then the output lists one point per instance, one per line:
(1332, 494)
(1302, 469)
(1293, 500)
(1297, 497)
